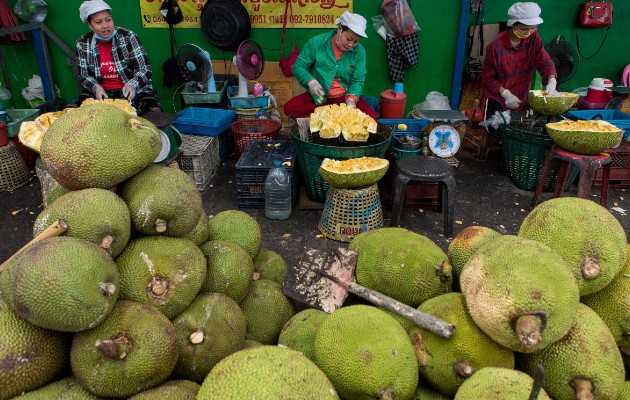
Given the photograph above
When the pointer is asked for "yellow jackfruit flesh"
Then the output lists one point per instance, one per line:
(336, 119)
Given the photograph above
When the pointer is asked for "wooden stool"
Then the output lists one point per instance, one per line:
(425, 169)
(588, 166)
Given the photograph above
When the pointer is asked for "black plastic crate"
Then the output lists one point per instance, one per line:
(253, 167)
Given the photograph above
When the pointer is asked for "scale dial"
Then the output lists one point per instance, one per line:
(444, 141)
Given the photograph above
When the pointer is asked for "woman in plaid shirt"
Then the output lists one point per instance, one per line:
(112, 61)
(331, 66)
(510, 60)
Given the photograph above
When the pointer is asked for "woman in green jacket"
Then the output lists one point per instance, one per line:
(331, 66)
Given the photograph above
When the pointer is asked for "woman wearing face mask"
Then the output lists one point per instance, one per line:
(112, 62)
(331, 67)
(510, 60)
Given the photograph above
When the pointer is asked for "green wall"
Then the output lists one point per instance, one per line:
(438, 21)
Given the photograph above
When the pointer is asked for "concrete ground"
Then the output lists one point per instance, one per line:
(485, 195)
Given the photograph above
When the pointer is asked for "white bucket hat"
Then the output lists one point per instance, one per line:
(90, 7)
(354, 22)
(526, 13)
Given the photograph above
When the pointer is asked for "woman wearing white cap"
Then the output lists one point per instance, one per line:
(331, 66)
(112, 61)
(510, 60)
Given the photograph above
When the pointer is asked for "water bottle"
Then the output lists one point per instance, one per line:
(4, 117)
(278, 192)
(6, 98)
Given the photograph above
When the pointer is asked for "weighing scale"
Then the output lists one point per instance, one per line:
(444, 141)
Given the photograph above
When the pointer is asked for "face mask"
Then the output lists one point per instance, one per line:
(107, 38)
(520, 35)
(338, 43)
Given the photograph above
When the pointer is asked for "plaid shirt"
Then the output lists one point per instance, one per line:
(513, 68)
(130, 60)
(317, 60)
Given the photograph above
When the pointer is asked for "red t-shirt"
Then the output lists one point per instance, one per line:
(109, 77)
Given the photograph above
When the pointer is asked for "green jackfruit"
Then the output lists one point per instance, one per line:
(61, 283)
(366, 354)
(492, 383)
(199, 234)
(64, 389)
(299, 331)
(270, 265)
(170, 390)
(464, 246)
(266, 310)
(161, 271)
(30, 356)
(210, 329)
(162, 200)
(133, 349)
(238, 227)
(266, 373)
(98, 146)
(96, 215)
(230, 269)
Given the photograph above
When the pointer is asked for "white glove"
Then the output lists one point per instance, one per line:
(350, 102)
(511, 101)
(315, 88)
(100, 94)
(129, 91)
(551, 87)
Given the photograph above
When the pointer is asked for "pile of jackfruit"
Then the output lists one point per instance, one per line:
(334, 120)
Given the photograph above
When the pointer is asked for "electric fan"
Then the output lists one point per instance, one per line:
(564, 56)
(249, 61)
(195, 64)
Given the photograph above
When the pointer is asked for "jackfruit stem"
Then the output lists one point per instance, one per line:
(256, 276)
(196, 337)
(107, 288)
(387, 394)
(136, 124)
(115, 349)
(107, 241)
(590, 268)
(158, 286)
(583, 389)
(527, 328)
(463, 369)
(160, 225)
(445, 272)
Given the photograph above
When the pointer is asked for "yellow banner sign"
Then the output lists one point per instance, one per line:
(262, 13)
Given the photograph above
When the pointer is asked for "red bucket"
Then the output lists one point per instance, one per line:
(4, 139)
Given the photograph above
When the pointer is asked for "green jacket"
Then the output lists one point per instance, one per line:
(317, 60)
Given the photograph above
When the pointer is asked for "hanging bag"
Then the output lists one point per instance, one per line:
(286, 64)
(594, 14)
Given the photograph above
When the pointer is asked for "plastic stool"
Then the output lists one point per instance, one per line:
(588, 166)
(425, 169)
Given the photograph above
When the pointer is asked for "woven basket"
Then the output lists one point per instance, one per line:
(13, 170)
(349, 212)
(249, 113)
(246, 130)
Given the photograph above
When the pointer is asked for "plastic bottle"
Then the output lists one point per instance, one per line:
(278, 192)
(258, 89)
(4, 117)
(6, 98)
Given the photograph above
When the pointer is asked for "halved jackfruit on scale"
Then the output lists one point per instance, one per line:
(335, 119)
(353, 172)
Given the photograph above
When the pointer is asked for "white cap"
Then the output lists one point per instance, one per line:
(526, 13)
(90, 7)
(354, 22)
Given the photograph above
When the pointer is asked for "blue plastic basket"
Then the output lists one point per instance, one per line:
(414, 125)
(204, 121)
(620, 119)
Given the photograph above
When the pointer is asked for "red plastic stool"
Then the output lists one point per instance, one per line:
(588, 166)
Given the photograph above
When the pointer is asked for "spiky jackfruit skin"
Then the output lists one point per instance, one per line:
(230, 269)
(425, 393)
(266, 310)
(580, 230)
(144, 353)
(266, 373)
(400, 264)
(170, 390)
(64, 389)
(199, 234)
(30, 356)
(438, 358)
(238, 227)
(61, 283)
(98, 146)
(299, 331)
(588, 352)
(270, 265)
(55, 191)
(465, 244)
(512, 276)
(625, 393)
(612, 304)
(354, 172)
(164, 272)
(498, 384)
(366, 354)
(96, 215)
(159, 193)
(210, 329)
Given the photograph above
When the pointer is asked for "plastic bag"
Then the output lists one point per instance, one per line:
(380, 27)
(497, 120)
(31, 10)
(398, 18)
(435, 101)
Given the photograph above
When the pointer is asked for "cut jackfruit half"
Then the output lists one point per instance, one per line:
(354, 172)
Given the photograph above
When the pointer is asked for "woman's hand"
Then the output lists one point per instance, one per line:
(129, 92)
(99, 94)
(315, 88)
(511, 101)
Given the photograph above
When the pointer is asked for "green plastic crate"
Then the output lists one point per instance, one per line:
(18, 116)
